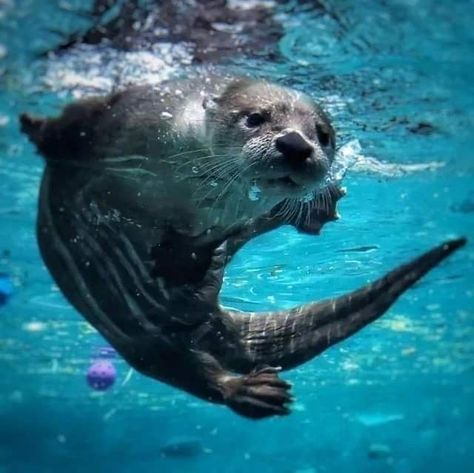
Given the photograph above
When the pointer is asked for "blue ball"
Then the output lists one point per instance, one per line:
(6, 288)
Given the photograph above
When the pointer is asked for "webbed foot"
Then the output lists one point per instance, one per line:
(259, 394)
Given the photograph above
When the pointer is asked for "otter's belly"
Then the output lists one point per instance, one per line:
(101, 269)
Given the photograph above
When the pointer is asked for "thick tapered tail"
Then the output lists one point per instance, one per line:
(292, 337)
(32, 127)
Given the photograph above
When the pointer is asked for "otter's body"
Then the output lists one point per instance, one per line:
(148, 193)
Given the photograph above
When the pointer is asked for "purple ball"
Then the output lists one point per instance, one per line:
(101, 375)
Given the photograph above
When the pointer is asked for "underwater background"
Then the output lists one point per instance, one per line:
(398, 79)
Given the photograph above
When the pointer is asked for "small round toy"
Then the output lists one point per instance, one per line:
(6, 288)
(101, 375)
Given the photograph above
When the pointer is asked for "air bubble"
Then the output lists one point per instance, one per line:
(254, 193)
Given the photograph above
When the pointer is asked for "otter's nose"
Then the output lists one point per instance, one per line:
(293, 146)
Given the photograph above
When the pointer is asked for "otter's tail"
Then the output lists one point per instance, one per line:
(71, 135)
(290, 338)
(33, 127)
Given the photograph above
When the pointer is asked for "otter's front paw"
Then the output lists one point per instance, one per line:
(259, 394)
(310, 217)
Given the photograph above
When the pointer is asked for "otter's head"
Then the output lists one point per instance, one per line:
(283, 141)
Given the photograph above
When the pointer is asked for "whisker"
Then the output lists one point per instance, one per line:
(120, 159)
(233, 178)
(327, 199)
(308, 208)
(136, 171)
(232, 173)
(192, 151)
(197, 161)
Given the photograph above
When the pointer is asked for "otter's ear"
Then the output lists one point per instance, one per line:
(210, 102)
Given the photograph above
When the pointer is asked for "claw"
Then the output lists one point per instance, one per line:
(259, 394)
(266, 369)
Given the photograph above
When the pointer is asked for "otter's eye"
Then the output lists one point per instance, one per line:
(254, 120)
(323, 136)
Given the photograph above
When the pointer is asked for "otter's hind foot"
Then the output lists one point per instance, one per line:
(259, 394)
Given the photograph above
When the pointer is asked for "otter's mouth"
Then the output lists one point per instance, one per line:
(285, 181)
(284, 184)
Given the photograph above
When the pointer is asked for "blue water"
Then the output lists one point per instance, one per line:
(398, 396)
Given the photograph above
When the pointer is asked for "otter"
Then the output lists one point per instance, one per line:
(148, 193)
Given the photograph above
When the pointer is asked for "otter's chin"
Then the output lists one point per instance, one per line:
(300, 181)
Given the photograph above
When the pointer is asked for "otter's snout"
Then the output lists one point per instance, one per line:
(294, 147)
